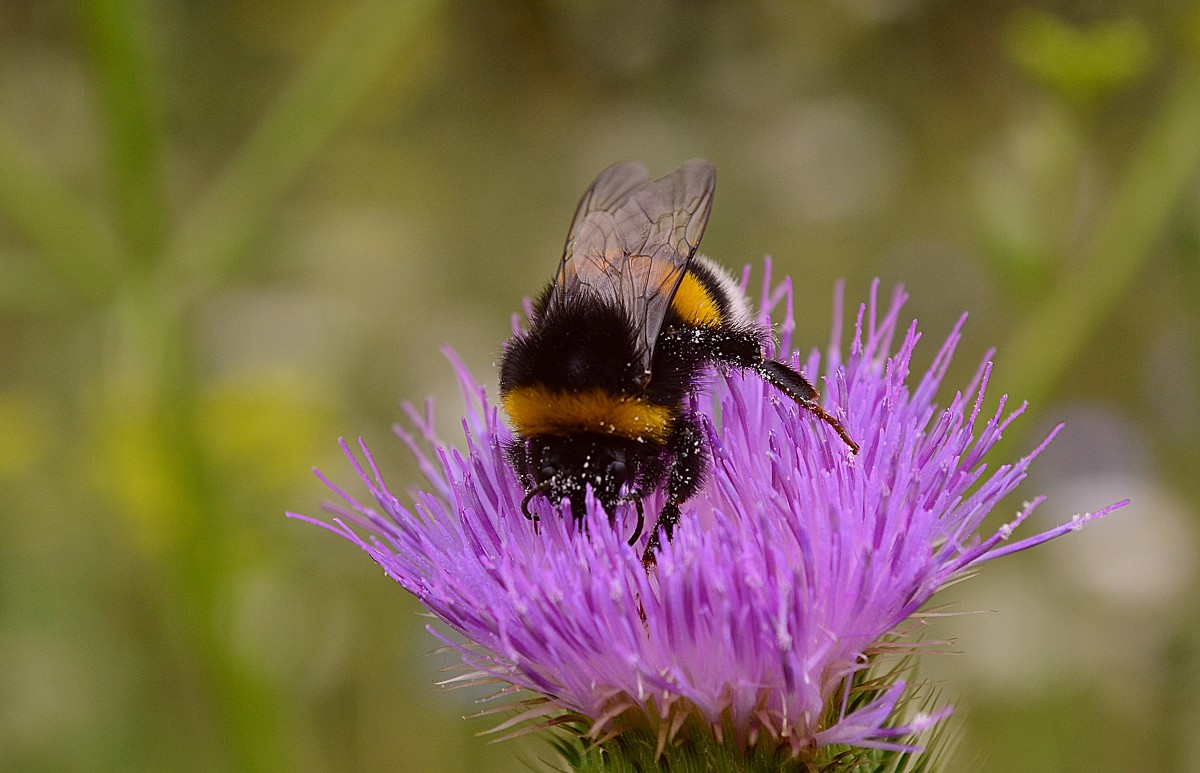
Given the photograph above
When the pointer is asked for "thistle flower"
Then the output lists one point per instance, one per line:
(789, 574)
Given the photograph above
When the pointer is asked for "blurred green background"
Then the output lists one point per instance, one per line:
(232, 231)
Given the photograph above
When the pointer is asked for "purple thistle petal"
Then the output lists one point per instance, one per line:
(869, 726)
(782, 578)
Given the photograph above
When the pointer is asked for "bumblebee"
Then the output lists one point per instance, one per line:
(597, 388)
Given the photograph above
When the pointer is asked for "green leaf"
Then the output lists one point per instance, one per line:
(222, 224)
(71, 241)
(1081, 64)
(1163, 166)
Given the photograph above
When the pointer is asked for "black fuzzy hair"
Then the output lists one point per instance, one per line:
(579, 343)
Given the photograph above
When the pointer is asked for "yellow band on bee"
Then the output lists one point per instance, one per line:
(536, 410)
(694, 304)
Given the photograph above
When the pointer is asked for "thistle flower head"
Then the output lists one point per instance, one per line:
(785, 575)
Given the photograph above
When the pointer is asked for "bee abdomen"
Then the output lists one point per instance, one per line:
(540, 410)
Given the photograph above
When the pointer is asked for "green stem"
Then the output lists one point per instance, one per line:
(1159, 172)
(198, 560)
(199, 254)
(114, 30)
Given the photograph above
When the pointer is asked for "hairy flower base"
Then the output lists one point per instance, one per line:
(785, 574)
(696, 748)
(634, 741)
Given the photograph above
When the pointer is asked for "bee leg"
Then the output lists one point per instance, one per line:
(667, 518)
(579, 513)
(743, 349)
(795, 386)
(684, 478)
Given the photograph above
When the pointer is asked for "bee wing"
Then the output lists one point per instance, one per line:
(632, 240)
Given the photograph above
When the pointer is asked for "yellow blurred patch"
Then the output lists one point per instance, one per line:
(265, 426)
(251, 438)
(133, 465)
(23, 441)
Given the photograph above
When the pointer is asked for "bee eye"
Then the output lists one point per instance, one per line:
(548, 472)
(618, 472)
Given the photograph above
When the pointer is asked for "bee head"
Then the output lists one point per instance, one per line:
(563, 468)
